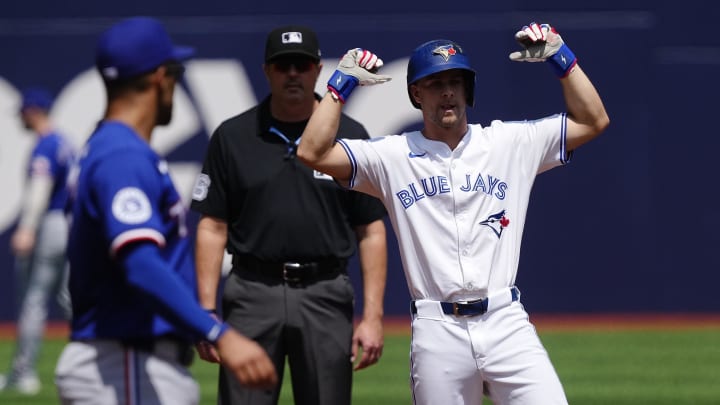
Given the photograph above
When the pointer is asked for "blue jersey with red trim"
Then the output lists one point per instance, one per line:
(52, 156)
(122, 194)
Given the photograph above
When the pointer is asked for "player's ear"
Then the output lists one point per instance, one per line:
(158, 74)
(415, 93)
(162, 69)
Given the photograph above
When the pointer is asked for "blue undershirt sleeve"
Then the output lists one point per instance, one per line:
(147, 271)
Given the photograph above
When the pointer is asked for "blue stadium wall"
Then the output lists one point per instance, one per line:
(631, 225)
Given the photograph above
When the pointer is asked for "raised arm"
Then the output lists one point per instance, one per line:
(587, 117)
(317, 147)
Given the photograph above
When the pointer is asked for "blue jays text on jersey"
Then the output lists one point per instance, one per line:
(436, 185)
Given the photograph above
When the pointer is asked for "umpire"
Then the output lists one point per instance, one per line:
(290, 231)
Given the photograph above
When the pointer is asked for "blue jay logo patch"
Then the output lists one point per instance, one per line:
(497, 222)
(446, 51)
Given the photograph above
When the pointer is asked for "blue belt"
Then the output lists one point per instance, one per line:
(471, 308)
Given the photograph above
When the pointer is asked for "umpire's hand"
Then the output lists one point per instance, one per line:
(247, 360)
(368, 336)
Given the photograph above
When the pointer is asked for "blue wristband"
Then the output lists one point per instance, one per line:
(342, 85)
(563, 61)
(214, 334)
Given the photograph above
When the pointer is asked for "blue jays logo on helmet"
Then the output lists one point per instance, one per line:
(437, 56)
(446, 51)
(497, 222)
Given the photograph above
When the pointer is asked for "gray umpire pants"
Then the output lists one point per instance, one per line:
(40, 276)
(309, 325)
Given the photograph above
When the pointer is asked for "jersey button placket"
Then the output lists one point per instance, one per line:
(456, 179)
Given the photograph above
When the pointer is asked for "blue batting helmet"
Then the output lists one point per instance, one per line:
(436, 56)
(36, 97)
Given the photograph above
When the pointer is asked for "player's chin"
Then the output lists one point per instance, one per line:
(449, 119)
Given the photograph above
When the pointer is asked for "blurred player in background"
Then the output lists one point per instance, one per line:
(40, 238)
(132, 279)
(291, 232)
(457, 195)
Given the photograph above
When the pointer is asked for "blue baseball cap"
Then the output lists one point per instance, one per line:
(135, 46)
(35, 97)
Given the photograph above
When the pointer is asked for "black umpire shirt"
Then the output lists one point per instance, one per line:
(276, 208)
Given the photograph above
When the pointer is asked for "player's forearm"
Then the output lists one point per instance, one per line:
(372, 251)
(584, 106)
(319, 135)
(37, 197)
(147, 271)
(209, 252)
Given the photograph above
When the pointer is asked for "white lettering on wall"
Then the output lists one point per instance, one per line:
(216, 90)
(15, 145)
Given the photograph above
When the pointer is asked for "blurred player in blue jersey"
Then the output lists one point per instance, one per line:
(132, 279)
(40, 238)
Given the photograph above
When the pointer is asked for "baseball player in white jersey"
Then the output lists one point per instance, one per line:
(457, 196)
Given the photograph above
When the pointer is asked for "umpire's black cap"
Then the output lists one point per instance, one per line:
(292, 40)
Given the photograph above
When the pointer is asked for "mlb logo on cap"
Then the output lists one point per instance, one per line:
(292, 37)
(292, 40)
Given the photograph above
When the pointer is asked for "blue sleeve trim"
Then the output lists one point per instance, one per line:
(353, 162)
(565, 155)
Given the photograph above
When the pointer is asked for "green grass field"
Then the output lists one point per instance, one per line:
(596, 367)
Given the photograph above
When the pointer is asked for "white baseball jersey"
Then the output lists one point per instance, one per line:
(459, 214)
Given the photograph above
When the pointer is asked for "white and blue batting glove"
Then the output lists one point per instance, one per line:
(357, 67)
(543, 44)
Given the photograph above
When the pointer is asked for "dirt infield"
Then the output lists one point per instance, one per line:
(543, 322)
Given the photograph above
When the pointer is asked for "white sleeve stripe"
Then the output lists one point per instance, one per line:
(135, 235)
(353, 162)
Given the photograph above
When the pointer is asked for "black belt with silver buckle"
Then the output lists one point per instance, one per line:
(291, 272)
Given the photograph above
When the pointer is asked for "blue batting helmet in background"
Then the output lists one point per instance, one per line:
(35, 97)
(436, 56)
